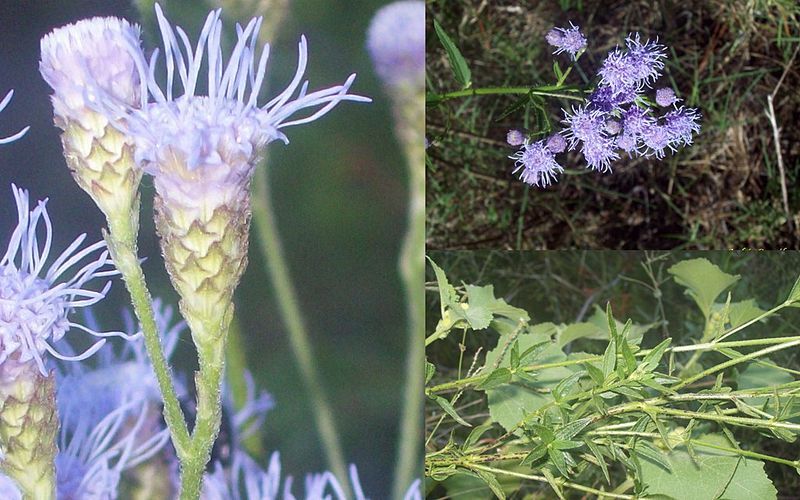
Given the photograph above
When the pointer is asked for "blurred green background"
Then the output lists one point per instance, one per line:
(339, 191)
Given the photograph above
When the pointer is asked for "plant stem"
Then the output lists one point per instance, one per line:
(277, 269)
(121, 240)
(735, 361)
(568, 484)
(543, 91)
(208, 380)
(409, 111)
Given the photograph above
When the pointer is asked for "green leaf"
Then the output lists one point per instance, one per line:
(565, 444)
(447, 294)
(740, 313)
(515, 355)
(572, 429)
(558, 458)
(653, 358)
(532, 353)
(723, 475)
(457, 62)
(612, 323)
(551, 480)
(564, 387)
(650, 451)
(610, 358)
(535, 455)
(492, 482)
(600, 459)
(430, 370)
(476, 434)
(762, 374)
(635, 331)
(497, 378)
(595, 373)
(557, 71)
(510, 403)
(703, 280)
(448, 408)
(794, 294)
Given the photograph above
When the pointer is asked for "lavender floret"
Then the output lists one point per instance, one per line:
(538, 164)
(515, 137)
(556, 143)
(666, 97)
(569, 40)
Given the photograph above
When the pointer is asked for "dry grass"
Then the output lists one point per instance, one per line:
(723, 192)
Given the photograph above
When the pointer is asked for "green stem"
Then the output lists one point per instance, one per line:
(543, 91)
(735, 361)
(121, 241)
(542, 479)
(410, 123)
(277, 268)
(208, 380)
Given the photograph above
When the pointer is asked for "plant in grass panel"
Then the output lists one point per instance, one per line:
(583, 408)
(612, 119)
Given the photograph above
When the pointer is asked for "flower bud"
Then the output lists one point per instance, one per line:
(94, 66)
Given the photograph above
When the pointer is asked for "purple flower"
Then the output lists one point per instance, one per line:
(556, 143)
(636, 120)
(666, 97)
(38, 295)
(538, 164)
(646, 59)
(681, 124)
(613, 127)
(515, 137)
(599, 153)
(657, 139)
(584, 124)
(569, 40)
(639, 65)
(396, 43)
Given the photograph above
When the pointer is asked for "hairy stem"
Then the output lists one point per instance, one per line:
(546, 91)
(277, 269)
(568, 484)
(121, 240)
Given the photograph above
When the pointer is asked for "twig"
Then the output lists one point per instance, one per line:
(776, 136)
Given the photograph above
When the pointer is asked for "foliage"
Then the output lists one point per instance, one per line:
(585, 407)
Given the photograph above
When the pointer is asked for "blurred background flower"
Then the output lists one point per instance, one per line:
(339, 192)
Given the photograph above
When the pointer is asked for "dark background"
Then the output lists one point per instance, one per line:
(339, 188)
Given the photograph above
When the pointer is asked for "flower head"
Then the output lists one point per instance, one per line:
(202, 151)
(515, 137)
(569, 40)
(396, 43)
(87, 64)
(681, 124)
(14, 137)
(89, 61)
(666, 97)
(36, 300)
(639, 65)
(538, 164)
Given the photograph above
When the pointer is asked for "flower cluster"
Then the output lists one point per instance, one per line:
(617, 117)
